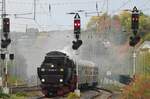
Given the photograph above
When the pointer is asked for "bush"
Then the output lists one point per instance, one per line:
(4, 96)
(139, 88)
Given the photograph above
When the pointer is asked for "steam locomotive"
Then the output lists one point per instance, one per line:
(57, 74)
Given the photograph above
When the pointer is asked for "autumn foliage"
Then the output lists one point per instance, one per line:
(139, 88)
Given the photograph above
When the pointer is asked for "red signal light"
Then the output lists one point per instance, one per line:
(77, 23)
(135, 21)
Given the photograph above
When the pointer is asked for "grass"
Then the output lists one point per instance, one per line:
(72, 95)
(14, 96)
(19, 95)
(112, 87)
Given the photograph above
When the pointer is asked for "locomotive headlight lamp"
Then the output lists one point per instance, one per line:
(42, 69)
(61, 69)
(52, 65)
(61, 80)
(43, 80)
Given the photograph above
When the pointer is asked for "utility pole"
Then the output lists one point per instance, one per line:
(97, 9)
(34, 9)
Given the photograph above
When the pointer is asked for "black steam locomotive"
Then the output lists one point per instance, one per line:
(58, 74)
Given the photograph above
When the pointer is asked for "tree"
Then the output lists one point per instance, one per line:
(144, 23)
(120, 23)
(125, 19)
(99, 24)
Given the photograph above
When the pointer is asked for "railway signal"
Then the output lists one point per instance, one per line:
(77, 28)
(134, 40)
(134, 26)
(135, 19)
(5, 41)
(76, 44)
(77, 25)
(6, 25)
(2, 56)
(11, 56)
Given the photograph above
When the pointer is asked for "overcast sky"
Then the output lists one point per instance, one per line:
(51, 14)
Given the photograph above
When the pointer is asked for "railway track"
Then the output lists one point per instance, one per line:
(25, 89)
(98, 95)
(95, 93)
(101, 92)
